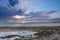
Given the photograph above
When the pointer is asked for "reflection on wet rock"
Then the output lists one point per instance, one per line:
(31, 35)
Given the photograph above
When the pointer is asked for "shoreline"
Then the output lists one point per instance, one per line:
(9, 29)
(30, 24)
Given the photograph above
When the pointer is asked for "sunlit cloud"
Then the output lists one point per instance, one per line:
(18, 17)
(17, 21)
(28, 12)
(21, 21)
(32, 21)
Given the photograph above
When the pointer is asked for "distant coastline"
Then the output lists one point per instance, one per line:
(31, 24)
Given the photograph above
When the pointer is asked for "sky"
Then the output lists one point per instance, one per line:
(29, 11)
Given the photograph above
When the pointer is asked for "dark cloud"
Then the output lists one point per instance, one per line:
(13, 2)
(55, 20)
(34, 14)
(42, 14)
(20, 12)
(51, 12)
(5, 12)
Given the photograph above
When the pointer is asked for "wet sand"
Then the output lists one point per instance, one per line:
(8, 29)
(35, 29)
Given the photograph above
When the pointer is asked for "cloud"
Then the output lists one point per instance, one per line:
(13, 2)
(26, 6)
(34, 17)
(51, 12)
(24, 12)
(18, 17)
(5, 9)
(55, 15)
